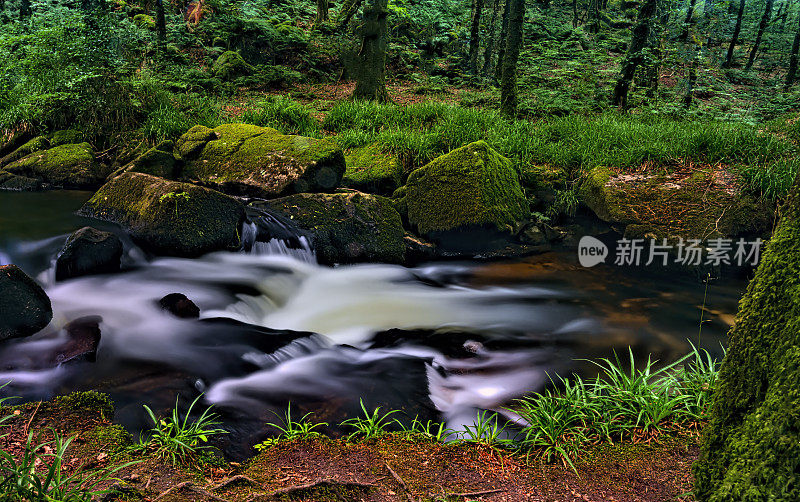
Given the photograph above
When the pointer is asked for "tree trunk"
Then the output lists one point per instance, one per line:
(688, 21)
(501, 49)
(574, 13)
(474, 36)
(735, 38)
(508, 83)
(761, 27)
(24, 9)
(348, 10)
(793, 60)
(371, 73)
(751, 446)
(322, 12)
(489, 51)
(639, 42)
(161, 21)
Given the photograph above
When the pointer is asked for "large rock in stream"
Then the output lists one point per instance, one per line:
(68, 166)
(243, 159)
(472, 187)
(89, 251)
(346, 227)
(168, 217)
(24, 306)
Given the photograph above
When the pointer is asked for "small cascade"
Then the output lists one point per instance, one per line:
(268, 234)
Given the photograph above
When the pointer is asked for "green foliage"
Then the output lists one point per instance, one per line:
(291, 429)
(371, 425)
(284, 114)
(484, 430)
(180, 441)
(429, 430)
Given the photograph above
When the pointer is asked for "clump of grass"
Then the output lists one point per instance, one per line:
(284, 114)
(485, 430)
(371, 425)
(180, 440)
(291, 429)
(429, 430)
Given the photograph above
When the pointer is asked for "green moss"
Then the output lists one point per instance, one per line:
(473, 186)
(144, 21)
(751, 447)
(88, 402)
(193, 221)
(157, 161)
(192, 142)
(112, 437)
(34, 145)
(16, 183)
(371, 169)
(66, 136)
(70, 166)
(347, 227)
(230, 65)
(247, 159)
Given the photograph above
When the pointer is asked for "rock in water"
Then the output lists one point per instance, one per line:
(751, 445)
(24, 306)
(168, 217)
(180, 306)
(89, 251)
(243, 159)
(69, 166)
(469, 188)
(347, 227)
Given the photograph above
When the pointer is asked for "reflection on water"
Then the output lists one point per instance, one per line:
(438, 341)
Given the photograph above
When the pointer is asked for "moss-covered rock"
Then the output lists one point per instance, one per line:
(347, 227)
(34, 145)
(24, 305)
(471, 187)
(88, 402)
(144, 21)
(66, 136)
(69, 166)
(17, 183)
(191, 143)
(751, 447)
(370, 169)
(157, 161)
(259, 161)
(167, 217)
(230, 65)
(702, 204)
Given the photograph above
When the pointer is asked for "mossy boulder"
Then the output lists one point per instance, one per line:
(347, 227)
(259, 161)
(471, 187)
(157, 161)
(168, 217)
(751, 446)
(701, 204)
(191, 143)
(144, 21)
(230, 65)
(34, 145)
(372, 170)
(66, 136)
(24, 305)
(68, 166)
(17, 183)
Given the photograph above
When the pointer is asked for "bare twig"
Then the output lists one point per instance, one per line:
(476, 494)
(30, 420)
(400, 481)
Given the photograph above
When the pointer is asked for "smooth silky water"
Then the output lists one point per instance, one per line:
(441, 341)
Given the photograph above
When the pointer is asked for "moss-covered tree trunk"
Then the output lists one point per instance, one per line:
(639, 41)
(761, 27)
(688, 21)
(508, 82)
(751, 447)
(322, 12)
(791, 75)
(474, 35)
(735, 37)
(371, 72)
(501, 47)
(489, 51)
(161, 21)
(347, 11)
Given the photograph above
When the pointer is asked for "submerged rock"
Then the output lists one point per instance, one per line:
(473, 187)
(89, 251)
(347, 227)
(168, 217)
(243, 159)
(69, 166)
(180, 306)
(24, 306)
(702, 204)
(751, 444)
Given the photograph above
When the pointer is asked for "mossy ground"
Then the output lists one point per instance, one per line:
(334, 470)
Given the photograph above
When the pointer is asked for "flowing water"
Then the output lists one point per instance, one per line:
(440, 341)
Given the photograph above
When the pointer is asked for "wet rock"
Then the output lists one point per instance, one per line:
(473, 187)
(17, 183)
(179, 305)
(24, 305)
(89, 251)
(258, 161)
(69, 166)
(168, 217)
(83, 338)
(533, 235)
(34, 145)
(157, 161)
(347, 227)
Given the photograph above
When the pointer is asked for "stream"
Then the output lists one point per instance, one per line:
(442, 340)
